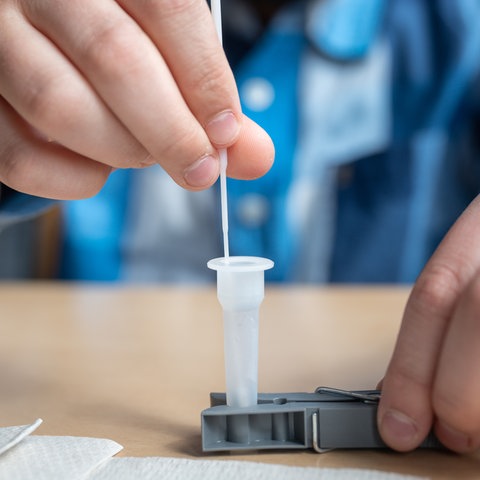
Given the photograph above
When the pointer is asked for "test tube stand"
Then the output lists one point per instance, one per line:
(323, 420)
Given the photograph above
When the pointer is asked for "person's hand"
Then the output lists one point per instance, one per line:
(94, 84)
(433, 379)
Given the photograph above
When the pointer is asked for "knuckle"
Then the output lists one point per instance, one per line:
(461, 413)
(112, 47)
(16, 166)
(445, 403)
(211, 76)
(436, 287)
(21, 169)
(171, 8)
(147, 161)
(179, 145)
(405, 377)
(46, 99)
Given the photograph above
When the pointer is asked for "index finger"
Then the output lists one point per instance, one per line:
(184, 33)
(169, 91)
(405, 413)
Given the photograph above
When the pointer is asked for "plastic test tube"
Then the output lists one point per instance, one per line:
(240, 291)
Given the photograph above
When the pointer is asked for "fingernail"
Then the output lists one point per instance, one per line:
(453, 439)
(203, 172)
(399, 429)
(223, 129)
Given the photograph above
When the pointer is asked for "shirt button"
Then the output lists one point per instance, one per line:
(253, 210)
(257, 94)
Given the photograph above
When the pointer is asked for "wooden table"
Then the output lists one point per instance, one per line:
(136, 364)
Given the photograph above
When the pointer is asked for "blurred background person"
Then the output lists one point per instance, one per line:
(373, 109)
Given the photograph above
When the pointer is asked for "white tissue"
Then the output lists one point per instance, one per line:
(10, 436)
(156, 468)
(41, 457)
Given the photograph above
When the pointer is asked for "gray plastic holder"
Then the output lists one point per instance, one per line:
(324, 420)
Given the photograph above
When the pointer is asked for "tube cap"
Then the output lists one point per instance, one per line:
(240, 281)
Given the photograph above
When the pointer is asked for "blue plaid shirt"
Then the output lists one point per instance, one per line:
(390, 194)
(373, 106)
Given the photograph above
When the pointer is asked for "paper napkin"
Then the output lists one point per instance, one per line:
(156, 468)
(41, 457)
(10, 436)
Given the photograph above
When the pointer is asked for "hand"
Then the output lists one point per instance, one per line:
(434, 375)
(94, 84)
